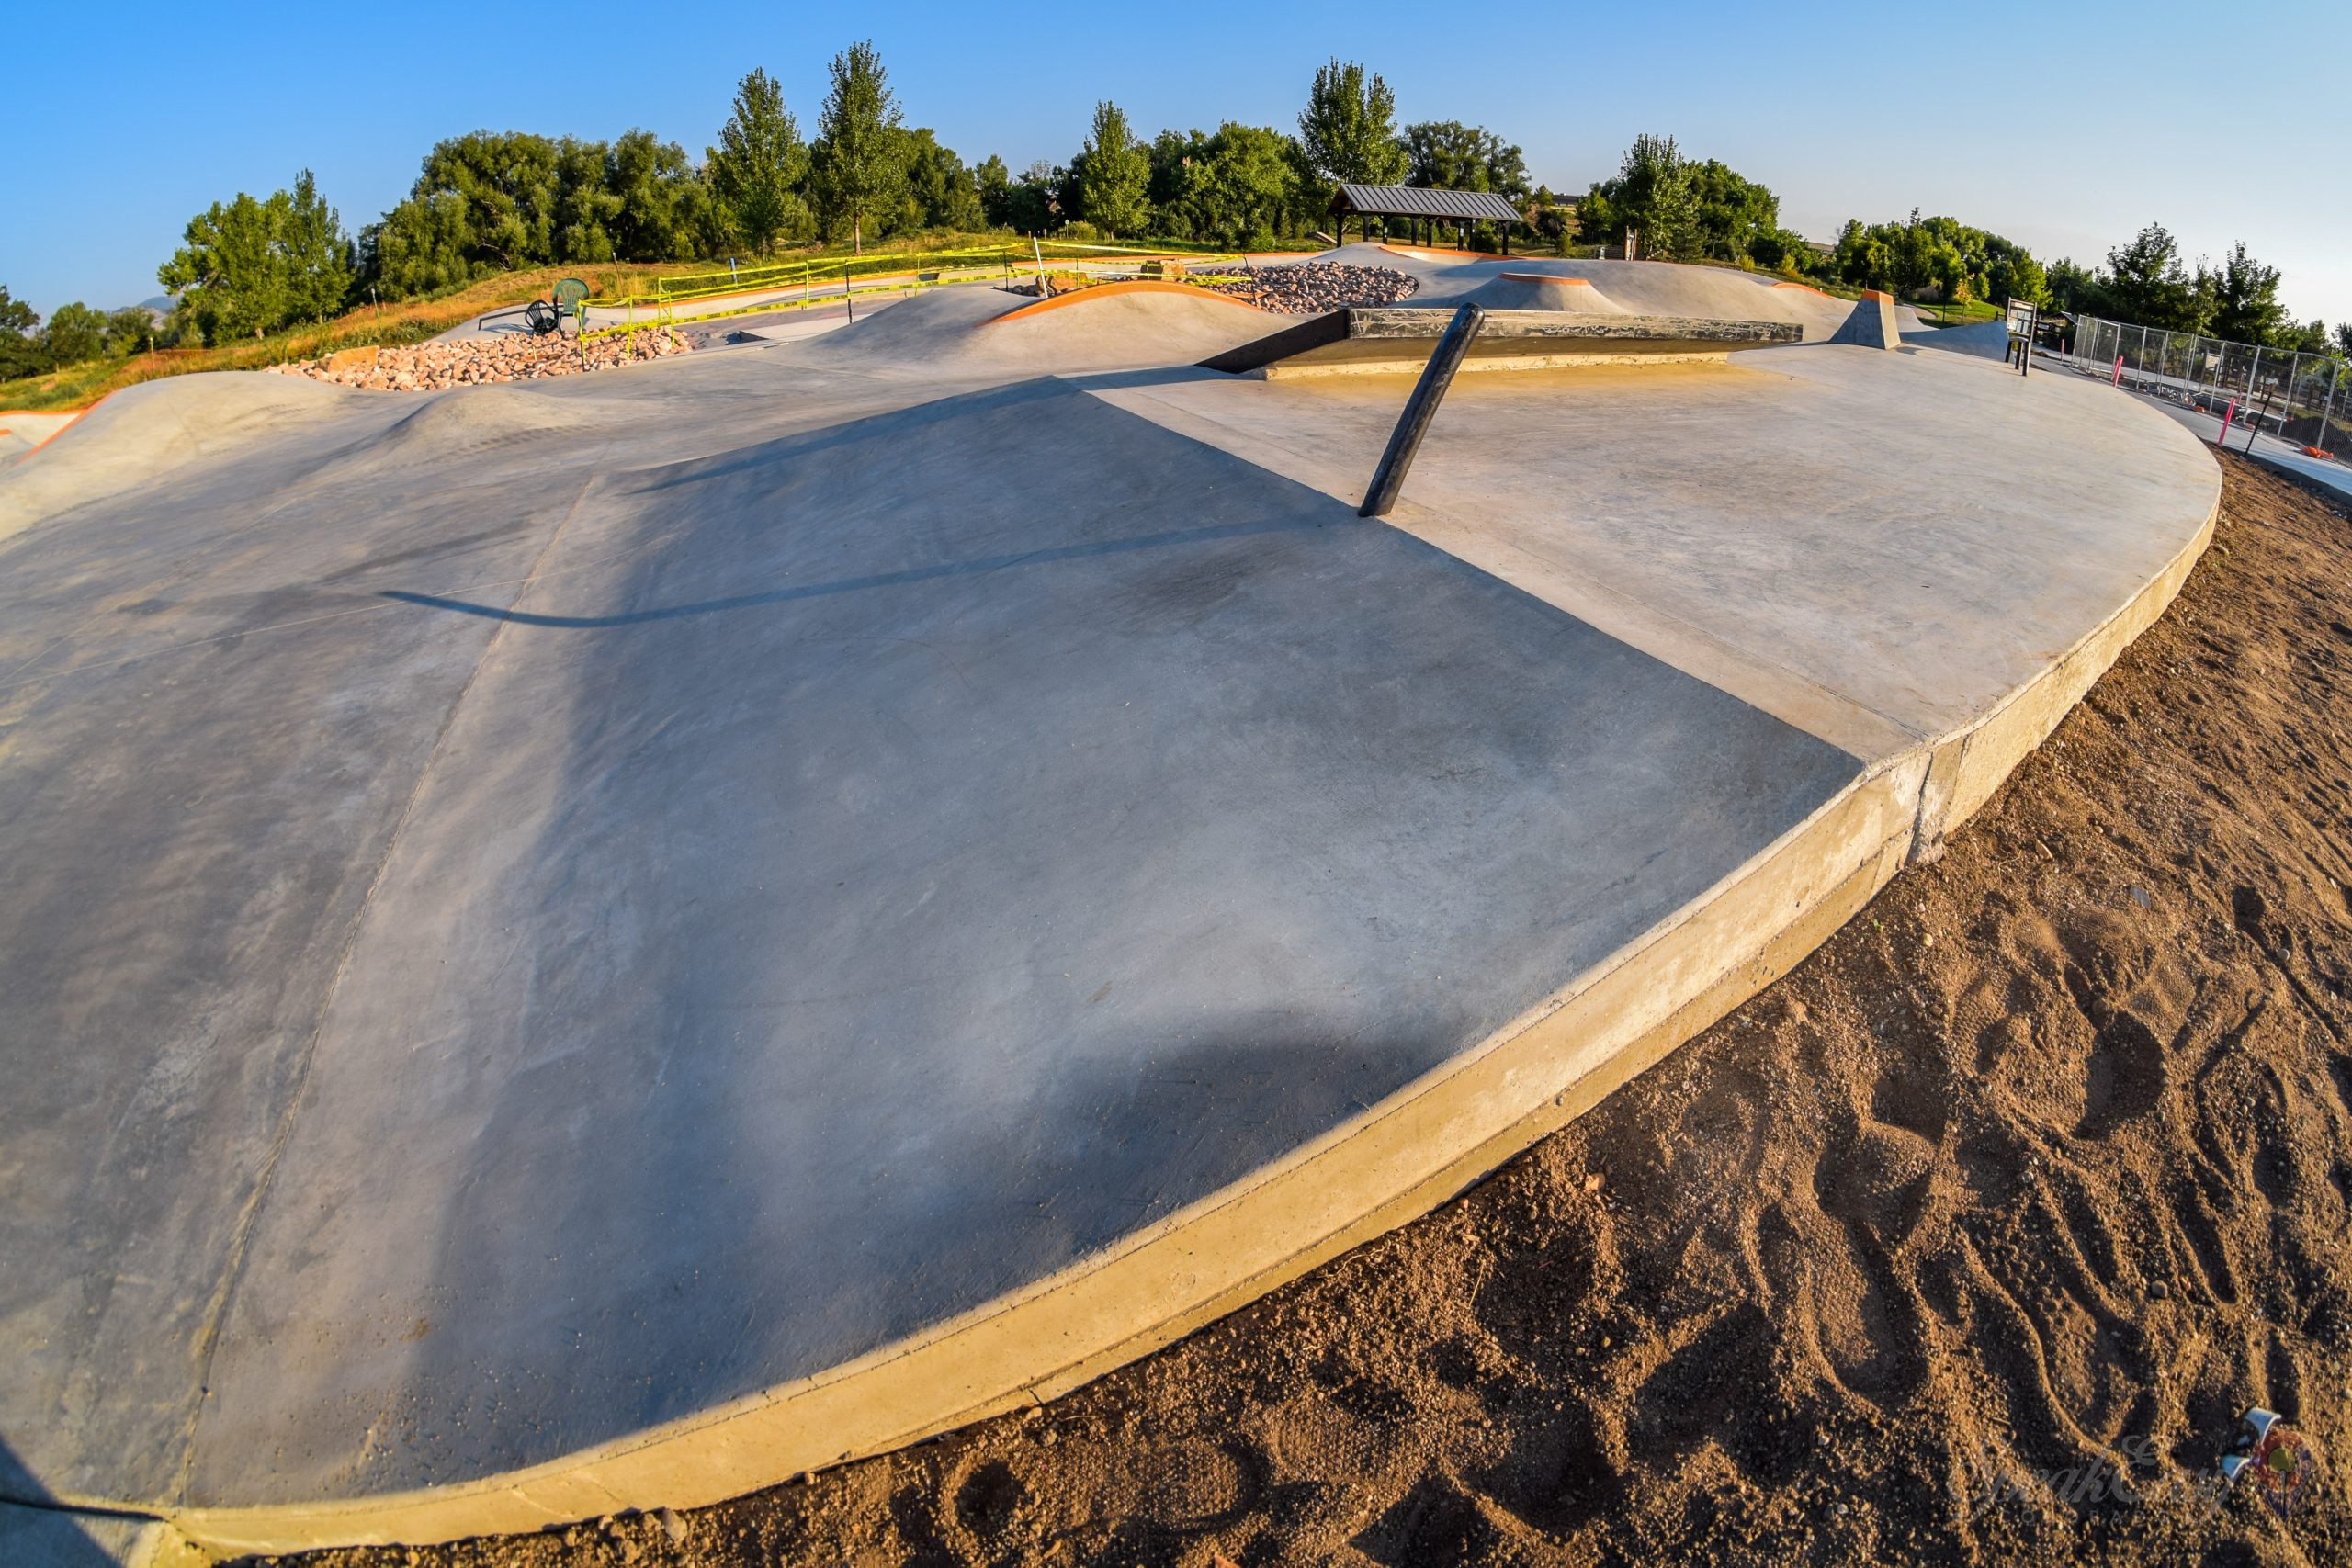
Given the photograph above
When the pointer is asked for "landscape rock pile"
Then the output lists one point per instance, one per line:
(438, 366)
(1307, 288)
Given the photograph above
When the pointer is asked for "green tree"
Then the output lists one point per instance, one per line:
(1863, 258)
(2308, 337)
(2245, 301)
(1243, 189)
(129, 330)
(1348, 129)
(1734, 213)
(857, 166)
(941, 192)
(658, 207)
(482, 203)
(759, 164)
(1449, 155)
(2343, 334)
(75, 333)
(994, 182)
(1653, 196)
(1113, 174)
(584, 212)
(1174, 155)
(1033, 204)
(314, 251)
(2016, 276)
(228, 275)
(2147, 285)
(20, 351)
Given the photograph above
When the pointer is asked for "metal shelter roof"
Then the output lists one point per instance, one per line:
(1420, 201)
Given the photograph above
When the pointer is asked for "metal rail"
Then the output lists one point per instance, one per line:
(1404, 441)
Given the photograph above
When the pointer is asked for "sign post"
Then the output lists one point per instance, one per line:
(2023, 317)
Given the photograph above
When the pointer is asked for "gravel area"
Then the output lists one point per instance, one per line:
(1307, 288)
(437, 367)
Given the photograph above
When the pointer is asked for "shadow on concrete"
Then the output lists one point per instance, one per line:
(1130, 880)
(751, 991)
(946, 569)
(36, 1531)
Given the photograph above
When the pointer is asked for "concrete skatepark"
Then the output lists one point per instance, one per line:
(606, 942)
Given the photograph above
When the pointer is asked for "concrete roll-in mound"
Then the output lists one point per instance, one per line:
(604, 943)
(1111, 326)
(1542, 291)
(150, 430)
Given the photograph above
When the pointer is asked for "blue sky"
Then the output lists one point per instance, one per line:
(2212, 119)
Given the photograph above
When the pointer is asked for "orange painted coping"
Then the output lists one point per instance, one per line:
(1808, 287)
(1547, 277)
(50, 413)
(1432, 252)
(1878, 294)
(1139, 286)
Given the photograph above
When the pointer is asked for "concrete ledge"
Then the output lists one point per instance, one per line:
(1383, 339)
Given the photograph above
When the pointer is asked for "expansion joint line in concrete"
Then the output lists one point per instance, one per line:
(216, 1312)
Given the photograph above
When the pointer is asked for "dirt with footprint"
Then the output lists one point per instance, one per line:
(1969, 1241)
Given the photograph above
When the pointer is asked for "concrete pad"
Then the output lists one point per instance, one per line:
(1783, 523)
(601, 942)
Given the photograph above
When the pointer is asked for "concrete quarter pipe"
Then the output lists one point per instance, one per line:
(602, 943)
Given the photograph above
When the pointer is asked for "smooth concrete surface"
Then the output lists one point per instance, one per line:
(601, 942)
(1789, 522)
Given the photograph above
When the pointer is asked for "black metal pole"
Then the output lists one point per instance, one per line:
(2254, 425)
(1419, 409)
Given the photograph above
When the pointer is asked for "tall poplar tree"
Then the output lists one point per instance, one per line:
(1348, 127)
(1113, 171)
(757, 168)
(858, 165)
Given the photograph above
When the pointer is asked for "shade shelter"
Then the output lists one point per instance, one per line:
(1419, 204)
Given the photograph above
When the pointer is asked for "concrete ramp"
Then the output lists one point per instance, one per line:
(1871, 323)
(155, 429)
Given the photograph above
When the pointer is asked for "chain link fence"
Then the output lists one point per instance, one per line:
(2303, 399)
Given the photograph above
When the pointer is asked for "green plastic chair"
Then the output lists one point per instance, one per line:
(572, 300)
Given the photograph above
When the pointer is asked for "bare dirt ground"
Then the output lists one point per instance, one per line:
(1967, 1242)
